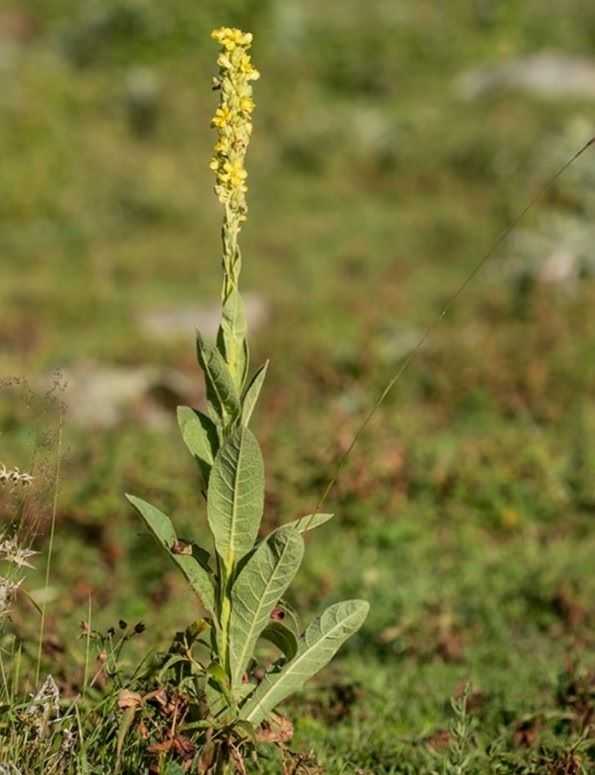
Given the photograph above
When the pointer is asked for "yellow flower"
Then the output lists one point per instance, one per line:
(247, 68)
(233, 174)
(222, 145)
(230, 37)
(224, 61)
(222, 116)
(214, 164)
(247, 104)
(220, 34)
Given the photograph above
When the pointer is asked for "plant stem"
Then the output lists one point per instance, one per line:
(50, 545)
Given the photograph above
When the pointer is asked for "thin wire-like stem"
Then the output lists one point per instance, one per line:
(412, 355)
(87, 648)
(48, 566)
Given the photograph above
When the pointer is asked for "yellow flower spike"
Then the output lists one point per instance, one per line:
(232, 120)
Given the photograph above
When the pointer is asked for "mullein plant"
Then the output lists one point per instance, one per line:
(241, 584)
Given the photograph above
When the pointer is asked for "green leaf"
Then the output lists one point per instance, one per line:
(123, 730)
(200, 436)
(281, 636)
(252, 393)
(173, 768)
(221, 702)
(309, 522)
(246, 729)
(163, 530)
(235, 499)
(218, 674)
(222, 395)
(317, 647)
(257, 590)
(232, 337)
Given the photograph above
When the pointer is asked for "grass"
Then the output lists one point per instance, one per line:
(466, 509)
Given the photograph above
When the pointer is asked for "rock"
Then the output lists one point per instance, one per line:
(561, 255)
(561, 267)
(143, 93)
(183, 322)
(547, 74)
(398, 341)
(102, 396)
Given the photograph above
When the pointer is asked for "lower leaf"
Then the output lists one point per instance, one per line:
(319, 644)
(163, 530)
(257, 590)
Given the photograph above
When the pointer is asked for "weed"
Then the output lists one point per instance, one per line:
(242, 586)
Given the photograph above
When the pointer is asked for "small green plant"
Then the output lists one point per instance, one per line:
(242, 583)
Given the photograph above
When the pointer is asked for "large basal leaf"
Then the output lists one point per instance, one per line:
(222, 395)
(317, 647)
(200, 436)
(257, 590)
(163, 530)
(235, 499)
(252, 393)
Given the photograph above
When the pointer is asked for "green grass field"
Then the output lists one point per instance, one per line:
(465, 513)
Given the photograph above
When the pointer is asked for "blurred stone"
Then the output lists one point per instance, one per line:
(397, 341)
(102, 396)
(183, 322)
(548, 74)
(562, 255)
(371, 130)
(560, 267)
(143, 92)
(576, 188)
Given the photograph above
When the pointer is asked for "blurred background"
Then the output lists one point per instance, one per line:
(393, 141)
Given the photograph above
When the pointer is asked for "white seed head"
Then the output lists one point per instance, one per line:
(10, 477)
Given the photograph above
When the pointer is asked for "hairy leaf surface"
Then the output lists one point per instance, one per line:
(232, 337)
(252, 393)
(200, 436)
(317, 647)
(222, 395)
(235, 498)
(257, 590)
(163, 530)
(283, 637)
